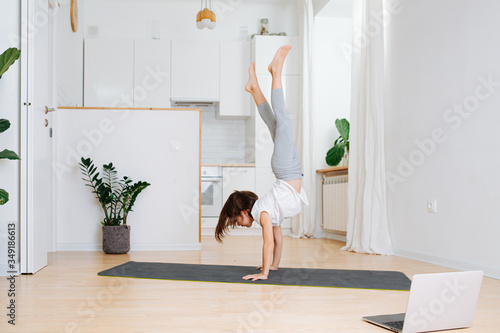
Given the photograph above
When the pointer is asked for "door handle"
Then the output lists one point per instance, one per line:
(238, 170)
(47, 109)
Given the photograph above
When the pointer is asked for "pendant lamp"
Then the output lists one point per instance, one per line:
(205, 17)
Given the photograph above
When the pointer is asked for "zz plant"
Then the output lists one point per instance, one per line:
(7, 59)
(337, 152)
(117, 197)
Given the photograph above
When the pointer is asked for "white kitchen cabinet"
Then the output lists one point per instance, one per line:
(108, 74)
(195, 70)
(237, 178)
(264, 48)
(264, 180)
(234, 63)
(152, 73)
(209, 223)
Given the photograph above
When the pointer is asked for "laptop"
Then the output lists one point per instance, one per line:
(438, 301)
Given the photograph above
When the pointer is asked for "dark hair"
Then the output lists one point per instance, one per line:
(237, 201)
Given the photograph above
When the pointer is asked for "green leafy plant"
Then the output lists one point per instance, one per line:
(116, 196)
(337, 152)
(7, 59)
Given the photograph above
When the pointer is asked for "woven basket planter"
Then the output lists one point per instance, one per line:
(116, 239)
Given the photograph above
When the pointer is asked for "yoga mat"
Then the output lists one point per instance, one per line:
(336, 278)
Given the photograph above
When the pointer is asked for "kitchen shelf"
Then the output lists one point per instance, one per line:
(333, 169)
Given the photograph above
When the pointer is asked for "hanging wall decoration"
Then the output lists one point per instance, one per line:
(205, 17)
(74, 15)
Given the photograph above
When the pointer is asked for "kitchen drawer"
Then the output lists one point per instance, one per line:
(236, 178)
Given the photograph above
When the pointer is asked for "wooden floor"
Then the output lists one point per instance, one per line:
(68, 296)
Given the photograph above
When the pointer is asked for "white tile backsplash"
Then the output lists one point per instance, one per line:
(222, 140)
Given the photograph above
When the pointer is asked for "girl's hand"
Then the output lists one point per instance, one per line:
(271, 268)
(255, 277)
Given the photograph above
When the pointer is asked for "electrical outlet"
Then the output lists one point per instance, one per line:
(432, 206)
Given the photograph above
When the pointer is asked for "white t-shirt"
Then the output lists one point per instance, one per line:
(280, 202)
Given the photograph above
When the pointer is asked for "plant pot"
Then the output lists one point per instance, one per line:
(116, 239)
(345, 160)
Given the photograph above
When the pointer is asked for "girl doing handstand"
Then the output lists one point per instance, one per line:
(287, 195)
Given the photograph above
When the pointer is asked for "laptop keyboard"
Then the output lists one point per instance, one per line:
(395, 324)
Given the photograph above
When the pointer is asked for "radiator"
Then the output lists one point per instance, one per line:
(335, 203)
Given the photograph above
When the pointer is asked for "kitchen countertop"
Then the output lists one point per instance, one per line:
(230, 165)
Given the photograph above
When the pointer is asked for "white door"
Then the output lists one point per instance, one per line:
(36, 152)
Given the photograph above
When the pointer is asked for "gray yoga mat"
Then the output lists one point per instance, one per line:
(336, 278)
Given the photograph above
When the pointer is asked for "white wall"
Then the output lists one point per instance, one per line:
(332, 81)
(133, 18)
(223, 140)
(437, 53)
(9, 109)
(332, 91)
(139, 143)
(70, 56)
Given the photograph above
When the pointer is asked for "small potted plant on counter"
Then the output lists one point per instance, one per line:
(116, 197)
(340, 148)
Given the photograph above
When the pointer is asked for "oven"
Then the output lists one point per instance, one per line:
(211, 191)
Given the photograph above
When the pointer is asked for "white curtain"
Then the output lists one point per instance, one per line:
(303, 225)
(367, 229)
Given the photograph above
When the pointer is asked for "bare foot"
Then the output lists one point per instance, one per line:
(252, 84)
(276, 65)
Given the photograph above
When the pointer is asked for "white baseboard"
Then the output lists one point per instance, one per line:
(489, 271)
(133, 247)
(330, 235)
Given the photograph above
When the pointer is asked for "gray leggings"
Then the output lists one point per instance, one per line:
(285, 161)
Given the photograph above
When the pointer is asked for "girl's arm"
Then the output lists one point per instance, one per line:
(267, 248)
(278, 245)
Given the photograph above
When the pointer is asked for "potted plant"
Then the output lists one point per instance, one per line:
(341, 146)
(116, 197)
(7, 59)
